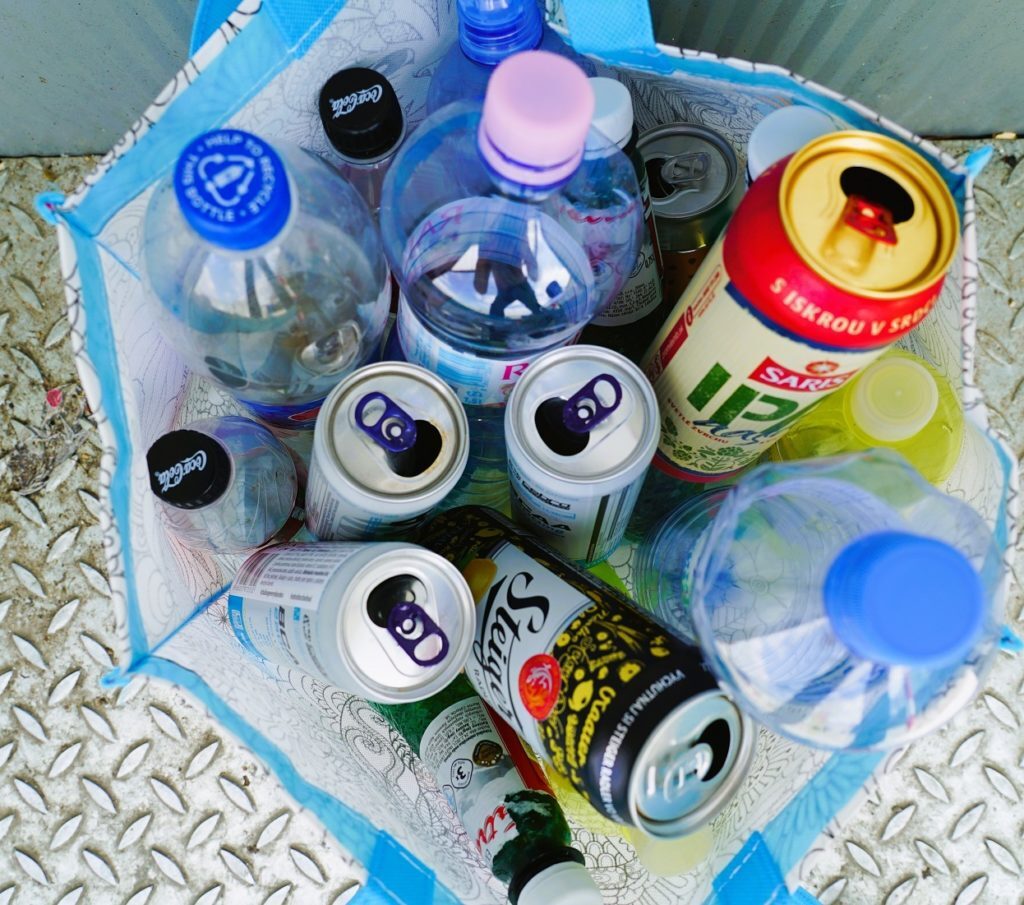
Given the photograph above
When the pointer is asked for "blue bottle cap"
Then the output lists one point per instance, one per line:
(232, 189)
(902, 599)
(489, 31)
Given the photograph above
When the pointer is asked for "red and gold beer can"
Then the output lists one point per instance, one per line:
(833, 254)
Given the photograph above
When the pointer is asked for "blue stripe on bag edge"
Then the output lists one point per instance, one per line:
(99, 344)
(385, 859)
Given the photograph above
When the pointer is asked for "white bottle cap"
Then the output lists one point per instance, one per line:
(565, 883)
(894, 399)
(782, 132)
(613, 110)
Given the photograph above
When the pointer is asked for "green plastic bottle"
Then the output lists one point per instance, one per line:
(899, 402)
(501, 796)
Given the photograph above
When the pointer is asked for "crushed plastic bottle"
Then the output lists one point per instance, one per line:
(844, 602)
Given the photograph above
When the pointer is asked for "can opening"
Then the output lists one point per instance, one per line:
(718, 736)
(552, 429)
(421, 455)
(878, 188)
(679, 174)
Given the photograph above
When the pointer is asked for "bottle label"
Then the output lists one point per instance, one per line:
(642, 292)
(476, 773)
(584, 529)
(519, 616)
(295, 417)
(475, 380)
(275, 597)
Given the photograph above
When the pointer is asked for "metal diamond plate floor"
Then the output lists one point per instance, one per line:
(136, 796)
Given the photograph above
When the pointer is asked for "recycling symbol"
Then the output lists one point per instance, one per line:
(226, 177)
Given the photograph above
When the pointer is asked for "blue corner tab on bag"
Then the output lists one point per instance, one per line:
(753, 877)
(623, 25)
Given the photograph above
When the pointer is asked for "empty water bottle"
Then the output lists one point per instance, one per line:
(844, 602)
(504, 238)
(266, 272)
(226, 485)
(489, 32)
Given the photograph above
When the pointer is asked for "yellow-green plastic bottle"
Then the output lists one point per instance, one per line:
(898, 402)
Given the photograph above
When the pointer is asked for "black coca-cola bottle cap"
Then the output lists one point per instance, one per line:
(361, 114)
(188, 469)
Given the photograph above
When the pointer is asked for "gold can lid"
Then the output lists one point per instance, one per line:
(869, 214)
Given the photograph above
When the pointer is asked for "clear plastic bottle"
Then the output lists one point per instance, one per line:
(363, 120)
(265, 271)
(900, 402)
(504, 238)
(490, 31)
(844, 602)
(226, 485)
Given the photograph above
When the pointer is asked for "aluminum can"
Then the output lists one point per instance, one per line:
(630, 715)
(581, 427)
(834, 253)
(695, 184)
(390, 443)
(391, 622)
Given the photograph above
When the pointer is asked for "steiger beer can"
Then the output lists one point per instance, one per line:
(833, 255)
(629, 714)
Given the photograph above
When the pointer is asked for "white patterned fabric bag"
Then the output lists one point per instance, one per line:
(261, 71)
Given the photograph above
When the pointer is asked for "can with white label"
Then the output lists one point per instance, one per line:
(629, 714)
(834, 253)
(391, 442)
(391, 622)
(581, 427)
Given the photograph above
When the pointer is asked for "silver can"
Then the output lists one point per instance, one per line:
(581, 428)
(391, 442)
(391, 622)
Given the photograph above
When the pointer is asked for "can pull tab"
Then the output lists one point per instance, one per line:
(417, 634)
(584, 410)
(686, 172)
(393, 428)
(871, 219)
(675, 775)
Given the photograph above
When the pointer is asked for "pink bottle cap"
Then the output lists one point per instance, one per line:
(536, 115)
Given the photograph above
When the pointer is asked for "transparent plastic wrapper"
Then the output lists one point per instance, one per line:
(261, 72)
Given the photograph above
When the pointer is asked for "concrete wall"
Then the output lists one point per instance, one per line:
(74, 74)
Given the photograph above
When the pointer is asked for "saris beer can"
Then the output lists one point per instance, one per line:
(629, 714)
(833, 255)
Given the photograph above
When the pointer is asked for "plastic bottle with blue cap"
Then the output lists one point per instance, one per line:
(265, 272)
(844, 602)
(489, 32)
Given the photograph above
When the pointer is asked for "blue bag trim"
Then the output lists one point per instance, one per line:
(210, 15)
(236, 75)
(300, 22)
(753, 877)
(621, 24)
(99, 341)
(395, 874)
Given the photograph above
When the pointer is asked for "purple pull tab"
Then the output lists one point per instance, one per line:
(395, 429)
(412, 628)
(584, 410)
